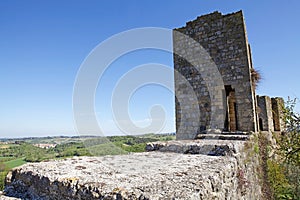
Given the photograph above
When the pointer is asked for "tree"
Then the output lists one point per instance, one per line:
(289, 141)
(289, 146)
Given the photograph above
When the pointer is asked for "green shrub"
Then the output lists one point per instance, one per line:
(2, 180)
(279, 184)
(3, 173)
(289, 146)
(135, 147)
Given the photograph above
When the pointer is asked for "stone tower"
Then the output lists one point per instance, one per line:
(224, 39)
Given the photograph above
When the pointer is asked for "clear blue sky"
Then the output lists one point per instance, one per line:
(43, 43)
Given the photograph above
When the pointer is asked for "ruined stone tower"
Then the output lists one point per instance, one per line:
(212, 57)
(225, 40)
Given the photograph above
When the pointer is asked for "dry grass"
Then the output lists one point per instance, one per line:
(255, 77)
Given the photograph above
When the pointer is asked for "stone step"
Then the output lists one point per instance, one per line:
(235, 133)
(216, 131)
(223, 137)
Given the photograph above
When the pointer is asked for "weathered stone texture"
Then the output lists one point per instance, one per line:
(2, 197)
(265, 113)
(150, 175)
(270, 113)
(224, 39)
(204, 147)
(277, 107)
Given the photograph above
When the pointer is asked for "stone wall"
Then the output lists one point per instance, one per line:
(265, 113)
(225, 40)
(143, 176)
(270, 113)
(277, 106)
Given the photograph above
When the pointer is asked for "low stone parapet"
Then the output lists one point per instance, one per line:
(142, 176)
(204, 147)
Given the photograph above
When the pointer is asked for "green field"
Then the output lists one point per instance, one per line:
(15, 163)
(3, 159)
(15, 153)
